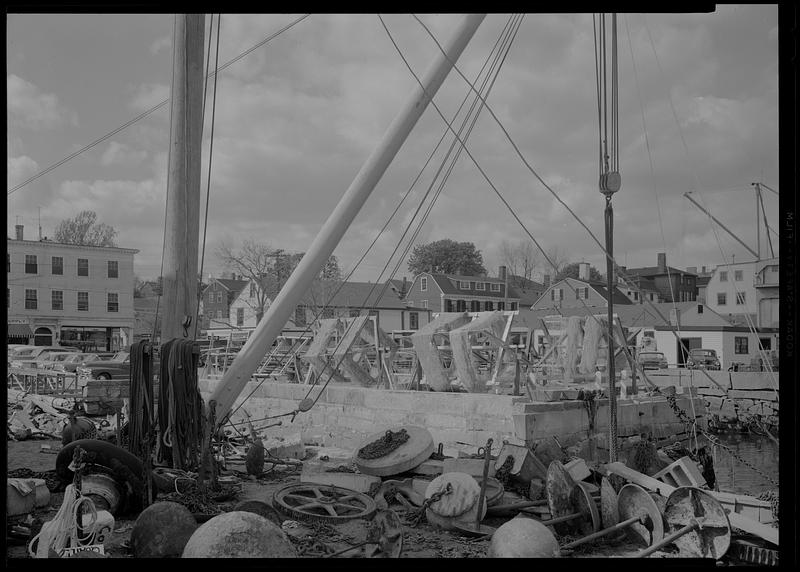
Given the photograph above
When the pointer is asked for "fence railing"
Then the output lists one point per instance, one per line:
(44, 382)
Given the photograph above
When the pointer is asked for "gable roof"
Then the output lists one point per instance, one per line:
(618, 297)
(355, 295)
(656, 271)
(447, 286)
(233, 286)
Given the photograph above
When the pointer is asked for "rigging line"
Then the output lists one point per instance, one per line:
(326, 304)
(764, 212)
(652, 167)
(599, 112)
(151, 110)
(694, 172)
(497, 192)
(546, 186)
(751, 327)
(768, 188)
(400, 259)
(210, 156)
(166, 193)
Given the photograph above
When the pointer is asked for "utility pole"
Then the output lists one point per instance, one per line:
(179, 287)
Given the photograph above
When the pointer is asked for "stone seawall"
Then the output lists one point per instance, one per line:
(344, 416)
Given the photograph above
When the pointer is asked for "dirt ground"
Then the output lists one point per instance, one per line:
(422, 541)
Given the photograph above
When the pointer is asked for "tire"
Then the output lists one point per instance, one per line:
(104, 376)
(104, 452)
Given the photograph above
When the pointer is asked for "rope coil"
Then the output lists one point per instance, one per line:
(63, 531)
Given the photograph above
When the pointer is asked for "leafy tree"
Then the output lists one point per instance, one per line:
(84, 229)
(447, 257)
(571, 271)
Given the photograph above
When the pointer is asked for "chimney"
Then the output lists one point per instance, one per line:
(704, 269)
(546, 281)
(583, 271)
(19, 228)
(404, 291)
(502, 273)
(662, 262)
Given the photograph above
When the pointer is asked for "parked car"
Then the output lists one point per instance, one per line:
(64, 362)
(118, 367)
(702, 359)
(652, 360)
(11, 348)
(23, 357)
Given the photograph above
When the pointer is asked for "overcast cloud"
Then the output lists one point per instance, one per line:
(296, 119)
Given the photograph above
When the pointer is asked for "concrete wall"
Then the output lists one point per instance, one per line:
(344, 416)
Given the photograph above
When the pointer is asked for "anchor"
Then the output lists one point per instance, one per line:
(476, 528)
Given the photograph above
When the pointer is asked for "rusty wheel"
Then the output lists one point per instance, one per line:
(322, 503)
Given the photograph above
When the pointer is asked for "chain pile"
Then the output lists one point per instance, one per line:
(384, 445)
(503, 474)
(341, 469)
(644, 456)
(415, 517)
(51, 479)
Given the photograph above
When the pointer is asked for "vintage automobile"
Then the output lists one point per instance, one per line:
(71, 362)
(702, 359)
(23, 357)
(652, 360)
(118, 367)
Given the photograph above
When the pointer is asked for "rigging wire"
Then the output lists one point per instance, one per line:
(546, 186)
(430, 157)
(149, 111)
(210, 156)
(748, 319)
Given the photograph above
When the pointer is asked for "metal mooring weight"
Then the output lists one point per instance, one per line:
(639, 517)
(697, 523)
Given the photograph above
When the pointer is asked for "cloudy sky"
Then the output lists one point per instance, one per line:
(296, 119)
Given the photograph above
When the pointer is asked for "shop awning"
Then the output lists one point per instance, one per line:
(19, 330)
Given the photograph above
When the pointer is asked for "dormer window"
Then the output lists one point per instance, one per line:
(495, 287)
(480, 285)
(464, 285)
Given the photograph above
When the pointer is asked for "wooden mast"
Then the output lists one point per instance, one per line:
(182, 226)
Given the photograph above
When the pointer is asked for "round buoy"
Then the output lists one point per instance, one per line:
(523, 537)
(239, 535)
(460, 505)
(260, 508)
(162, 530)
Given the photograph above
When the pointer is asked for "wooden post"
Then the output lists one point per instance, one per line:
(183, 197)
(350, 204)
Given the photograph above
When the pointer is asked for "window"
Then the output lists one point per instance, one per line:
(723, 276)
(699, 308)
(582, 293)
(740, 298)
(219, 297)
(83, 301)
(512, 306)
(461, 306)
(495, 287)
(31, 266)
(113, 302)
(722, 298)
(738, 275)
(113, 269)
(636, 296)
(31, 302)
(480, 285)
(423, 284)
(83, 267)
(57, 300)
(765, 343)
(474, 306)
(240, 316)
(57, 265)
(424, 303)
(413, 320)
(464, 285)
(501, 306)
(490, 306)
(354, 313)
(740, 345)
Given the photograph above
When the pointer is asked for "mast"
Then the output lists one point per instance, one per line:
(182, 226)
(247, 360)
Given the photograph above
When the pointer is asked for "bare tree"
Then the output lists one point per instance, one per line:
(520, 258)
(558, 260)
(84, 229)
(256, 263)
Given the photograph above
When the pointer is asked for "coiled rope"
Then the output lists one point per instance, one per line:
(180, 409)
(142, 420)
(62, 532)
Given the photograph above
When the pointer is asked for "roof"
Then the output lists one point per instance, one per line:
(355, 295)
(617, 298)
(703, 281)
(233, 286)
(448, 287)
(656, 271)
(47, 242)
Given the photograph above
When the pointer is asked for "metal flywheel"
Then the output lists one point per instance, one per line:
(322, 503)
